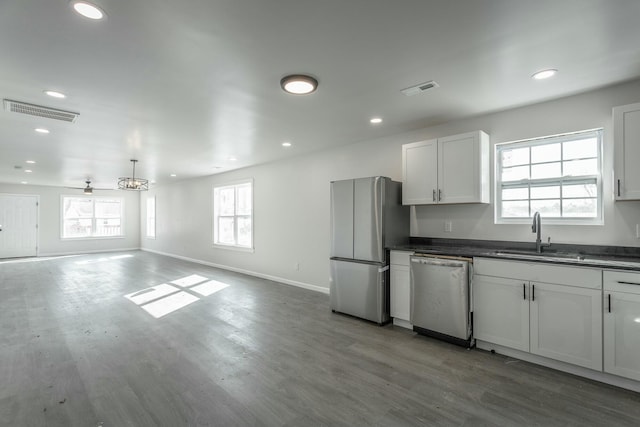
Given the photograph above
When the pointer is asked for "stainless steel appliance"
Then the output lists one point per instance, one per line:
(440, 298)
(366, 216)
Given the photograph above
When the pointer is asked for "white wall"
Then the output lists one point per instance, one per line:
(291, 197)
(49, 241)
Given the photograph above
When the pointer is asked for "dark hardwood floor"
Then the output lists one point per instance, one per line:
(74, 351)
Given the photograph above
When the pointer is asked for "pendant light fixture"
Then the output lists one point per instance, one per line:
(133, 183)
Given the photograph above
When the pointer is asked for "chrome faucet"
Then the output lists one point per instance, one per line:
(537, 228)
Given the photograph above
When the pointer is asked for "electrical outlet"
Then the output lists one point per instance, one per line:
(448, 226)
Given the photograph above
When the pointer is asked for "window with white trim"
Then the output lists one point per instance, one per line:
(558, 176)
(151, 217)
(92, 217)
(233, 215)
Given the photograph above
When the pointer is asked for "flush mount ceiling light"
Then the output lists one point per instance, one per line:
(544, 74)
(88, 10)
(299, 84)
(286, 144)
(55, 94)
(133, 183)
(375, 120)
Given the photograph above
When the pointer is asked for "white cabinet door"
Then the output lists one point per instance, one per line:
(501, 311)
(626, 137)
(622, 334)
(400, 292)
(566, 324)
(462, 175)
(420, 173)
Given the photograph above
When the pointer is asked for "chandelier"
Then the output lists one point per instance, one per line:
(133, 183)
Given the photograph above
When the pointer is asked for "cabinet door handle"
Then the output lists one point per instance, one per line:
(618, 188)
(533, 292)
(434, 195)
(439, 195)
(609, 303)
(524, 291)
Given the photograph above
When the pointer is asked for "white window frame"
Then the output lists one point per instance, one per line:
(150, 223)
(93, 219)
(215, 216)
(598, 220)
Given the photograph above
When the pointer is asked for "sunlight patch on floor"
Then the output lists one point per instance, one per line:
(163, 299)
(103, 259)
(189, 280)
(150, 294)
(210, 287)
(169, 304)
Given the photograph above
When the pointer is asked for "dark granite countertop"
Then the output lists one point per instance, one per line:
(616, 257)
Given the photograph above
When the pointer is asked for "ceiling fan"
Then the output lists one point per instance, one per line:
(88, 189)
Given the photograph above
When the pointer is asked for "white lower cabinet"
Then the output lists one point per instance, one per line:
(622, 324)
(501, 311)
(561, 321)
(400, 287)
(566, 324)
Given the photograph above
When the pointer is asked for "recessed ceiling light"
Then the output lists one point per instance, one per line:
(173, 175)
(31, 162)
(42, 130)
(286, 144)
(88, 10)
(544, 74)
(232, 159)
(28, 170)
(376, 120)
(55, 94)
(23, 182)
(299, 84)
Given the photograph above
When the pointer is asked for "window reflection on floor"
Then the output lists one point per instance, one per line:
(163, 299)
(103, 259)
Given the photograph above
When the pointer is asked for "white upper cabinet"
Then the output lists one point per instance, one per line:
(453, 169)
(626, 136)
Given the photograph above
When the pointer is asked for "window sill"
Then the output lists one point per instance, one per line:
(233, 248)
(545, 222)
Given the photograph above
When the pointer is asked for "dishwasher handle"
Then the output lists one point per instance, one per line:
(444, 262)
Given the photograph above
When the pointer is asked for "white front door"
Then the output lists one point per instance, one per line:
(18, 225)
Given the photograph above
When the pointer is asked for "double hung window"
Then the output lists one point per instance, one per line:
(558, 176)
(88, 217)
(233, 215)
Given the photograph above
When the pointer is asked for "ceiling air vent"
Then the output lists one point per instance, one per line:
(39, 111)
(422, 87)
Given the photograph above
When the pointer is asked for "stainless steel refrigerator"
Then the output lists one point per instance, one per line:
(367, 216)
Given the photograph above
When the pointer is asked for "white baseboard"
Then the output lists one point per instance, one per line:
(48, 254)
(561, 366)
(243, 271)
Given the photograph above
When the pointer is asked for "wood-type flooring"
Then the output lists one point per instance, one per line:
(74, 351)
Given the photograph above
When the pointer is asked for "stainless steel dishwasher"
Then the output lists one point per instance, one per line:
(440, 298)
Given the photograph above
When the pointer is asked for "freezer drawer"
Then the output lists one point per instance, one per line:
(360, 289)
(440, 296)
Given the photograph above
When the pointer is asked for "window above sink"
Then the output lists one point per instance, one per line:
(560, 176)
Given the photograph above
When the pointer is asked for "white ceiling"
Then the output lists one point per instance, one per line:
(184, 85)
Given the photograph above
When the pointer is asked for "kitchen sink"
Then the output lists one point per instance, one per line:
(569, 257)
(524, 254)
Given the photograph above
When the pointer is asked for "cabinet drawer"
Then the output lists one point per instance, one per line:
(540, 272)
(400, 257)
(621, 281)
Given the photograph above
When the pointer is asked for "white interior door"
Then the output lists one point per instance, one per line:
(18, 225)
